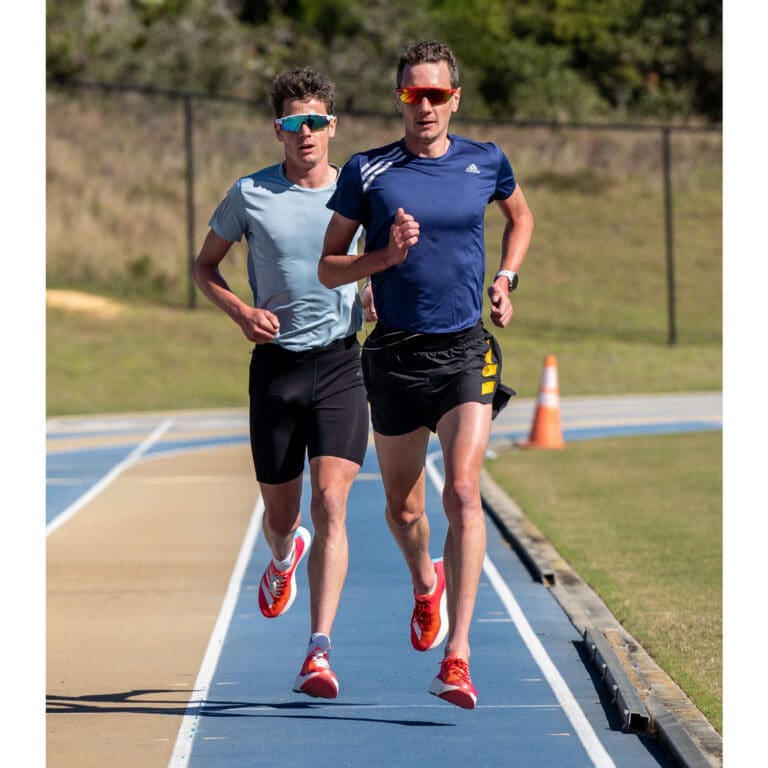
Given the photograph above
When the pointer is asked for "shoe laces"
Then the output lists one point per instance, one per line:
(422, 609)
(276, 580)
(319, 657)
(456, 667)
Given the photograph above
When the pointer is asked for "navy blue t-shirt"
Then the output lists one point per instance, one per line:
(439, 286)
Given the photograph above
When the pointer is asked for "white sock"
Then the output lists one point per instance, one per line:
(319, 640)
(284, 565)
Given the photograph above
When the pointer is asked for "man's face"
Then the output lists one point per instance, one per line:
(305, 148)
(425, 121)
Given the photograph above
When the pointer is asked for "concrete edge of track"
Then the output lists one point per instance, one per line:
(647, 698)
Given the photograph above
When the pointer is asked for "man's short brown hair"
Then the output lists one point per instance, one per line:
(304, 84)
(429, 52)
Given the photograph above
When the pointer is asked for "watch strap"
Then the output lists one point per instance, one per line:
(511, 276)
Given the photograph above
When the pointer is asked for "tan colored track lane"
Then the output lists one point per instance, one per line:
(135, 582)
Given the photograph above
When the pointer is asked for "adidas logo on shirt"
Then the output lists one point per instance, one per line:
(472, 168)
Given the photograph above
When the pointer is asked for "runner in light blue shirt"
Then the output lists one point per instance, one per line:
(284, 224)
(305, 384)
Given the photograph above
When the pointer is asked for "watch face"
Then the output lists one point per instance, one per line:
(513, 283)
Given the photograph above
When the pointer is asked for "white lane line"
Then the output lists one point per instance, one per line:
(182, 750)
(573, 711)
(596, 751)
(118, 469)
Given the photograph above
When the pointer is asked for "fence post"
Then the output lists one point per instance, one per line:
(666, 153)
(190, 165)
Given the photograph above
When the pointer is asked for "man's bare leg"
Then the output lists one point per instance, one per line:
(401, 461)
(464, 433)
(331, 479)
(282, 515)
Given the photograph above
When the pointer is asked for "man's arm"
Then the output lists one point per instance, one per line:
(258, 325)
(337, 267)
(514, 246)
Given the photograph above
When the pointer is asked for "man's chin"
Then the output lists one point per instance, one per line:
(427, 132)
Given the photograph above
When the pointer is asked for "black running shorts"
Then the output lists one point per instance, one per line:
(309, 403)
(413, 380)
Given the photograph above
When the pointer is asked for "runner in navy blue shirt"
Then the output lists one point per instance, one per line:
(429, 364)
(447, 196)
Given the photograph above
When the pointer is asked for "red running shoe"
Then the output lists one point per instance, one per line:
(429, 623)
(316, 678)
(454, 684)
(278, 588)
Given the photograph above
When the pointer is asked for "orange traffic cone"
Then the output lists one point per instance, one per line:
(546, 431)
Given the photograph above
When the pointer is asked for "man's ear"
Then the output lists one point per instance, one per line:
(456, 100)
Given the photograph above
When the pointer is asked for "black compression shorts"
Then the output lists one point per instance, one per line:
(413, 380)
(309, 403)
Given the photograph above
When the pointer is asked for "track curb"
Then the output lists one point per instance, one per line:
(647, 699)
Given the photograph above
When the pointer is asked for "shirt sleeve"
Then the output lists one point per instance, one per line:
(228, 220)
(349, 199)
(505, 177)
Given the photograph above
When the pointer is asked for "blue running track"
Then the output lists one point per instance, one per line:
(540, 701)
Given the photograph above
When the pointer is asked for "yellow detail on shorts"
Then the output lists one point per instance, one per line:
(487, 387)
(489, 355)
(490, 370)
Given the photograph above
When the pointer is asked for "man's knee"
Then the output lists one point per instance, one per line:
(328, 506)
(404, 515)
(461, 498)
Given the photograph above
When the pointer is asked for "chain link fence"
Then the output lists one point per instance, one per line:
(627, 211)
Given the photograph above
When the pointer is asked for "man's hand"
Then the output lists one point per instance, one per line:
(501, 306)
(259, 325)
(366, 299)
(403, 234)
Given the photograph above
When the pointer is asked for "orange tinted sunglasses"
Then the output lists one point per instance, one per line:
(415, 94)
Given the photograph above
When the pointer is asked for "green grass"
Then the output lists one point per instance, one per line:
(146, 358)
(150, 357)
(642, 524)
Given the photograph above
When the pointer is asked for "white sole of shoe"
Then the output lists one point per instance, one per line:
(317, 686)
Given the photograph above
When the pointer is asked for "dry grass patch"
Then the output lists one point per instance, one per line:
(88, 303)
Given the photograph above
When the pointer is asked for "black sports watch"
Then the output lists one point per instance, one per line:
(511, 278)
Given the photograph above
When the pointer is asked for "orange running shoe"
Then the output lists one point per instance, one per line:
(316, 677)
(278, 588)
(429, 622)
(454, 684)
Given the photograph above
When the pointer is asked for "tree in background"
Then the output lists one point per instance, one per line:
(545, 59)
(652, 57)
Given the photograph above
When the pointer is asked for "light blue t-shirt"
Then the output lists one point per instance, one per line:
(285, 225)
